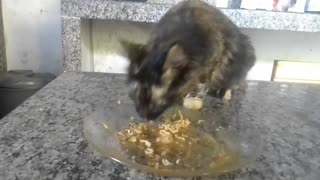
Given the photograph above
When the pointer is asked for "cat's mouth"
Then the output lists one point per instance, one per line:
(151, 114)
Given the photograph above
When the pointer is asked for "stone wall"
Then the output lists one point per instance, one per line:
(3, 66)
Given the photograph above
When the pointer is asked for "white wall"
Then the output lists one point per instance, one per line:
(33, 35)
(281, 45)
(100, 44)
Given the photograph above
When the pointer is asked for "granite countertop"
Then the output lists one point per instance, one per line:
(152, 10)
(43, 138)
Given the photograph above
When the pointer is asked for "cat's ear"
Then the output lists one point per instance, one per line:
(176, 58)
(136, 52)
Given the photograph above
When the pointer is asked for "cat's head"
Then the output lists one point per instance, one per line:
(158, 77)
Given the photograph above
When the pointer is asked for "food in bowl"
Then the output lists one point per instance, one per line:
(174, 144)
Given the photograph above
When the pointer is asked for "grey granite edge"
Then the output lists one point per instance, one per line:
(270, 20)
(3, 59)
(152, 12)
(71, 43)
(212, 2)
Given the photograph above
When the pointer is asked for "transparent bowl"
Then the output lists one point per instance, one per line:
(101, 127)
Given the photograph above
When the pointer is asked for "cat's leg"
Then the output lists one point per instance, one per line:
(235, 95)
(202, 91)
(224, 94)
(217, 92)
(199, 93)
(228, 95)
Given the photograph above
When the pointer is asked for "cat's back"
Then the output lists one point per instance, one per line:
(195, 12)
(193, 23)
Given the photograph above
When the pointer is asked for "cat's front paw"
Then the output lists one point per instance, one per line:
(228, 95)
(192, 103)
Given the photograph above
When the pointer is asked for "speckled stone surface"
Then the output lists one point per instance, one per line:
(43, 139)
(152, 12)
(71, 43)
(3, 59)
(212, 2)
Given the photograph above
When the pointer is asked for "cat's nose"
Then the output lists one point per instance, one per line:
(140, 111)
(150, 114)
(155, 112)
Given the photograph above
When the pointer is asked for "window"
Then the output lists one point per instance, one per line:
(293, 71)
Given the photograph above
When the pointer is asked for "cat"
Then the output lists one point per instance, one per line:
(194, 48)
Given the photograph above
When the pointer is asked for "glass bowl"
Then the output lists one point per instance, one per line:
(239, 136)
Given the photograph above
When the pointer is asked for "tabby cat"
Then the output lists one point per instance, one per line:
(194, 48)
